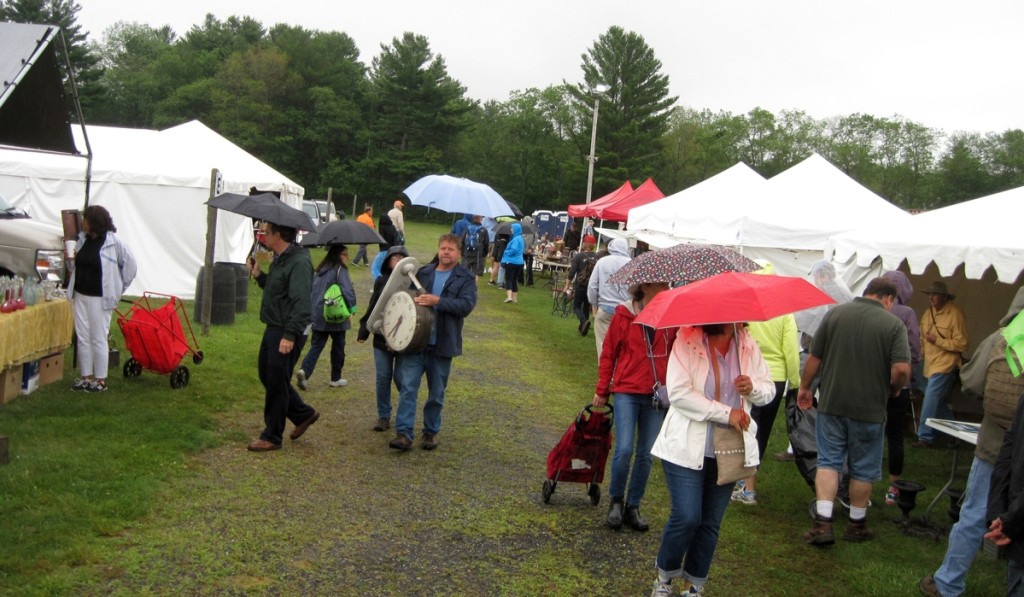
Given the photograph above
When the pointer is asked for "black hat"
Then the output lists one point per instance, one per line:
(939, 287)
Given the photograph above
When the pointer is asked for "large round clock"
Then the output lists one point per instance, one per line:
(404, 324)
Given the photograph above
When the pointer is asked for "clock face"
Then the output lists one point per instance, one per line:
(406, 325)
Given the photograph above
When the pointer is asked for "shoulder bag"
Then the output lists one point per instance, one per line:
(730, 452)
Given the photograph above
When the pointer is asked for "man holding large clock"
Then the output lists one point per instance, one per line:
(449, 289)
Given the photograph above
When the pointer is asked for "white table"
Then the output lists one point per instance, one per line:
(961, 430)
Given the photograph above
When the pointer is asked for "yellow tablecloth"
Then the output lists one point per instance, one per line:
(36, 331)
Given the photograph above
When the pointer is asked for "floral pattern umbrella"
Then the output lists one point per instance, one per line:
(682, 263)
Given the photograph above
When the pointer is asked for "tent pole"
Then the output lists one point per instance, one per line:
(78, 112)
(211, 240)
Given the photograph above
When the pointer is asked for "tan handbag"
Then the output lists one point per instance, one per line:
(730, 452)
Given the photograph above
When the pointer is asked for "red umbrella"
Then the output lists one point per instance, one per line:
(731, 297)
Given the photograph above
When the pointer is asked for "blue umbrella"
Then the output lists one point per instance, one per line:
(457, 195)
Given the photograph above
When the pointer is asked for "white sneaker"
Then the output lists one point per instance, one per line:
(300, 379)
(339, 383)
(738, 489)
(661, 589)
(745, 497)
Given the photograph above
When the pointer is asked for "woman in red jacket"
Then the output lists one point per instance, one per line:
(630, 358)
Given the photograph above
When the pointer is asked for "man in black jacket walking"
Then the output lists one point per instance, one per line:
(286, 310)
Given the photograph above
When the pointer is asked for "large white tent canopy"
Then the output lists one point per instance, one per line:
(785, 220)
(979, 234)
(155, 185)
(976, 247)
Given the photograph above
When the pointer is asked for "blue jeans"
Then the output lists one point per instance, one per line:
(316, 346)
(966, 535)
(384, 363)
(636, 421)
(935, 405)
(409, 370)
(698, 504)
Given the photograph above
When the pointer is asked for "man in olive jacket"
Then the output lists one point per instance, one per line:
(286, 310)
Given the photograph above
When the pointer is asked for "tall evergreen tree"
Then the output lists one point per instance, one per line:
(416, 112)
(634, 111)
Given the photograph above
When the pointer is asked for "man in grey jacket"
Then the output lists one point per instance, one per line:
(604, 297)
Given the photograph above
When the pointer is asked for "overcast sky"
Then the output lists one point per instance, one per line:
(955, 66)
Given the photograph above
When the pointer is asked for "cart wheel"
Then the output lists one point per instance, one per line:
(595, 493)
(132, 368)
(179, 377)
(197, 358)
(549, 488)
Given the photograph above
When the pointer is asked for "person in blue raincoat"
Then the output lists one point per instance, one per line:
(512, 260)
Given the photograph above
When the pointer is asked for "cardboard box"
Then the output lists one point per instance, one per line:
(51, 368)
(10, 384)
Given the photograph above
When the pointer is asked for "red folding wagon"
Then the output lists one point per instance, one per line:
(156, 338)
(581, 454)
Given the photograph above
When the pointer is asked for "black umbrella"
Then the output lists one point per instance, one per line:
(266, 207)
(506, 228)
(518, 213)
(342, 232)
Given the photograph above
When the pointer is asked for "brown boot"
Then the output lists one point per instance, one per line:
(858, 531)
(821, 533)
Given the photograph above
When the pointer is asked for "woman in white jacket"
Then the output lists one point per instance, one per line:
(102, 269)
(739, 377)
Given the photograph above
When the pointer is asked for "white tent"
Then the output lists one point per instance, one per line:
(710, 211)
(155, 184)
(980, 234)
(976, 247)
(786, 220)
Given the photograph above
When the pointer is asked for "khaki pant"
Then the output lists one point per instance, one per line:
(601, 323)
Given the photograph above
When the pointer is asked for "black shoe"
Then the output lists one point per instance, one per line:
(633, 520)
(614, 520)
(586, 328)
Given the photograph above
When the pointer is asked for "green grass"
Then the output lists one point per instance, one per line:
(148, 491)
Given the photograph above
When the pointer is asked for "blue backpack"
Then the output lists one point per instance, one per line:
(472, 237)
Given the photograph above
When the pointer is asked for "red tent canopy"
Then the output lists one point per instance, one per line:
(619, 210)
(590, 210)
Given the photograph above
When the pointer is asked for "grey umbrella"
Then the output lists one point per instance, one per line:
(506, 228)
(266, 207)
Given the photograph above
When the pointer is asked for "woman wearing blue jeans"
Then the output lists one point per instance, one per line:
(715, 375)
(383, 357)
(627, 368)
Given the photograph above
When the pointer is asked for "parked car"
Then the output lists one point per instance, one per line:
(327, 210)
(29, 248)
(312, 210)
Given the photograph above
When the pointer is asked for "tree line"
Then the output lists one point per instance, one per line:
(302, 101)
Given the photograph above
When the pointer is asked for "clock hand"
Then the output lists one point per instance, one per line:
(395, 328)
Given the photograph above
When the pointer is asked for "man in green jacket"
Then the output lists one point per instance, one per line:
(286, 310)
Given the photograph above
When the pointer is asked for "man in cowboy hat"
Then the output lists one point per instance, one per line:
(943, 340)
